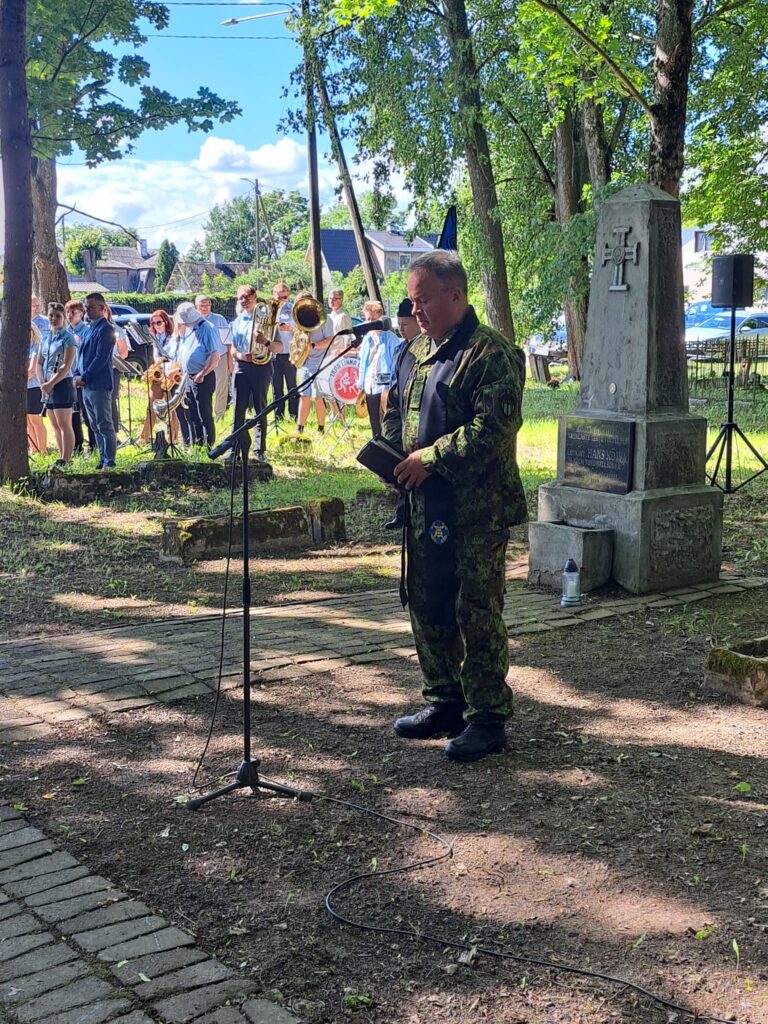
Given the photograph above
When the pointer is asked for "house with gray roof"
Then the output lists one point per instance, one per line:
(121, 268)
(390, 251)
(191, 275)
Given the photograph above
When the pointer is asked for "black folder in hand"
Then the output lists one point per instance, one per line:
(381, 457)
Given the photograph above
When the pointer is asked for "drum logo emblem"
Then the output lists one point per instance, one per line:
(343, 380)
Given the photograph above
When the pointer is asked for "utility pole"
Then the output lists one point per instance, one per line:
(358, 230)
(256, 201)
(258, 226)
(269, 229)
(314, 183)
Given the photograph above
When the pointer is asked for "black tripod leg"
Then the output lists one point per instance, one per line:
(248, 778)
(751, 447)
(720, 441)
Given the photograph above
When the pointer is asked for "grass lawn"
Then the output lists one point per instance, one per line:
(63, 567)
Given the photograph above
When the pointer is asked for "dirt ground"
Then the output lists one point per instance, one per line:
(67, 568)
(623, 832)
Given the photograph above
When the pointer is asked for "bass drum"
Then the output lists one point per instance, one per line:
(339, 381)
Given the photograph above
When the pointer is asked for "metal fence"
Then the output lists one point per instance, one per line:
(708, 369)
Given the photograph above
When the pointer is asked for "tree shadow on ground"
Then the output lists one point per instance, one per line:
(609, 835)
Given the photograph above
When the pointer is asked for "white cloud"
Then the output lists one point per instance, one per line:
(171, 198)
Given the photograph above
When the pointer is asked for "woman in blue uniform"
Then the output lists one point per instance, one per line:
(55, 360)
(36, 432)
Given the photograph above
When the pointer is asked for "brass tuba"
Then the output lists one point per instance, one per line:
(263, 321)
(308, 315)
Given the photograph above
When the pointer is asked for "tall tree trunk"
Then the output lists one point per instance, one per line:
(671, 68)
(479, 167)
(49, 278)
(596, 144)
(16, 153)
(569, 179)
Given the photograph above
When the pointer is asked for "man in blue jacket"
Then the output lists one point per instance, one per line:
(93, 375)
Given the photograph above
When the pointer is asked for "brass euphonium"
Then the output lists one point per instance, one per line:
(308, 315)
(263, 321)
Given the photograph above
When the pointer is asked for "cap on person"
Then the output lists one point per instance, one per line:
(186, 314)
(405, 308)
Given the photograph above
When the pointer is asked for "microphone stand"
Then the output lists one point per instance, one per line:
(247, 775)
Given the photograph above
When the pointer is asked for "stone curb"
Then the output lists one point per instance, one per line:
(76, 950)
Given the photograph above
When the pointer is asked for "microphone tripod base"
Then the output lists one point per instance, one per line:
(248, 778)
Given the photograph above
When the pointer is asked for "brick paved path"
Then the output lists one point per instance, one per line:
(53, 680)
(76, 950)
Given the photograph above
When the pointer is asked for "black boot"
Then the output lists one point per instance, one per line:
(433, 720)
(476, 742)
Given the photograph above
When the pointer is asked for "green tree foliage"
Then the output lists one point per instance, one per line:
(79, 56)
(728, 182)
(355, 291)
(231, 227)
(167, 256)
(71, 68)
(82, 237)
(290, 268)
(572, 93)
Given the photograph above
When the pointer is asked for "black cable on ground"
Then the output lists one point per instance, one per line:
(442, 940)
(201, 759)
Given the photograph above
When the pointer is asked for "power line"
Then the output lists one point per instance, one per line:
(205, 39)
(170, 223)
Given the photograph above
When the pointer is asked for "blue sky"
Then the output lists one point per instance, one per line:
(172, 178)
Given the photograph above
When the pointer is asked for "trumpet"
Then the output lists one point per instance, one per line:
(308, 315)
(263, 321)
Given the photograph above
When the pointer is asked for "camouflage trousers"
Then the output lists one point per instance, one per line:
(466, 660)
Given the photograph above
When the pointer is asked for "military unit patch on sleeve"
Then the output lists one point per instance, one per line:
(499, 401)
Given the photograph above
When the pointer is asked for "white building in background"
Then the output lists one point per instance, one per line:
(697, 265)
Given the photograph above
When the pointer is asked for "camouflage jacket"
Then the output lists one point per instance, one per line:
(478, 453)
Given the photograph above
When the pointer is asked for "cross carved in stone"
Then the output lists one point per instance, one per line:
(618, 254)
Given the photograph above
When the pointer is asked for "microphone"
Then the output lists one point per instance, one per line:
(385, 324)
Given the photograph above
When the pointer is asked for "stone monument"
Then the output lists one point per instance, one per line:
(631, 457)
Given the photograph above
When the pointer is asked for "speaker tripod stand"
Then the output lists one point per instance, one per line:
(730, 430)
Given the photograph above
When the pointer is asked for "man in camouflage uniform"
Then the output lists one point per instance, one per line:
(455, 411)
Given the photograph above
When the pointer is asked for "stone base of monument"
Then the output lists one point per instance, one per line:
(741, 671)
(631, 457)
(550, 545)
(668, 537)
(294, 528)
